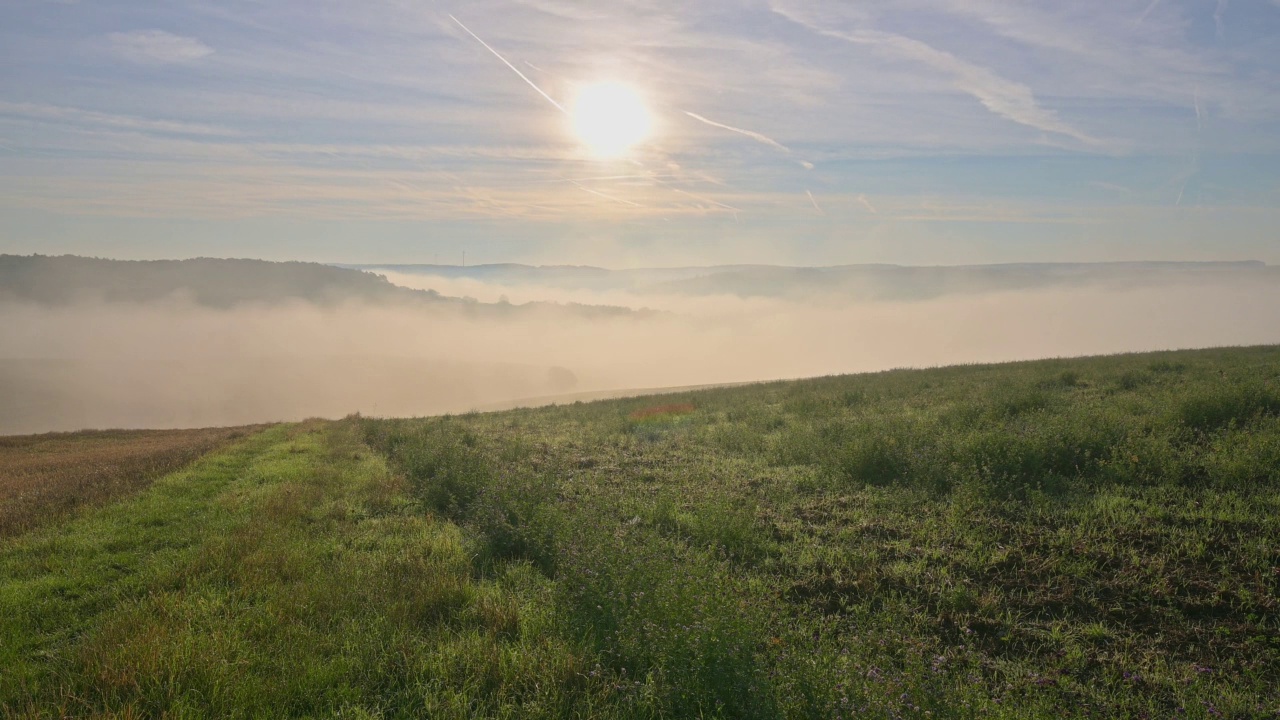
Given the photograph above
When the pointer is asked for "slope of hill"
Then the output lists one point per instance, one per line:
(227, 283)
(204, 281)
(1056, 539)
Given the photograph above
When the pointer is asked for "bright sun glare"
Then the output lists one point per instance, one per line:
(610, 118)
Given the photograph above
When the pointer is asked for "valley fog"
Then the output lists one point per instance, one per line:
(173, 363)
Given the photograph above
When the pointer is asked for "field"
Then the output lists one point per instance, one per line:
(1067, 538)
(44, 478)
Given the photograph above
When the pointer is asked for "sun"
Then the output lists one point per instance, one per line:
(610, 118)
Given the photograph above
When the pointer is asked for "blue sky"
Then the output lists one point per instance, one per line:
(915, 131)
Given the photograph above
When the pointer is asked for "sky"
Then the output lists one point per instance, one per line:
(783, 131)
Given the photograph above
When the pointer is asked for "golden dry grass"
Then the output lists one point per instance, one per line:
(46, 477)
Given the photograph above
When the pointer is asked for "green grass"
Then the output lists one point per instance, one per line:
(289, 576)
(1094, 537)
(1068, 538)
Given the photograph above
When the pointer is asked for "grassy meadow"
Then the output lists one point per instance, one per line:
(1091, 537)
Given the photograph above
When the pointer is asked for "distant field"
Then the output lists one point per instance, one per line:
(1067, 538)
(45, 477)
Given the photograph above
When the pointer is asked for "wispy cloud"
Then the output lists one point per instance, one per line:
(1006, 98)
(1152, 6)
(1112, 188)
(77, 116)
(156, 47)
(394, 112)
(1097, 50)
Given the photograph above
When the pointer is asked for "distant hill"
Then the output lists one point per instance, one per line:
(895, 282)
(849, 282)
(225, 283)
(204, 281)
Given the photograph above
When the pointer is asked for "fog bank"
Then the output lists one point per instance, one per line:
(176, 364)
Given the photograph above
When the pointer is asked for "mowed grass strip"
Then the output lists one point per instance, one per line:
(45, 478)
(288, 576)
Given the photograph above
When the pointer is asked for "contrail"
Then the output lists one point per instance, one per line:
(1199, 113)
(606, 178)
(753, 135)
(514, 69)
(867, 204)
(1217, 15)
(675, 189)
(1192, 170)
(814, 200)
(705, 199)
(606, 196)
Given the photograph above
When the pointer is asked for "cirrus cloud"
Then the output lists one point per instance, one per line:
(156, 47)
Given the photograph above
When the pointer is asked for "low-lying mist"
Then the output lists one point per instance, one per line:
(177, 364)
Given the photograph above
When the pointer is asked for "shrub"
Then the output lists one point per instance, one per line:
(440, 460)
(1133, 379)
(737, 438)
(1064, 379)
(874, 460)
(1164, 366)
(731, 528)
(1014, 402)
(1209, 410)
